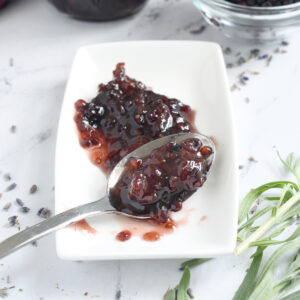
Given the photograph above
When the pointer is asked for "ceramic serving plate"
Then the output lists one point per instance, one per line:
(193, 72)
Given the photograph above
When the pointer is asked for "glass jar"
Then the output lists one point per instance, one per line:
(261, 24)
(99, 10)
(2, 3)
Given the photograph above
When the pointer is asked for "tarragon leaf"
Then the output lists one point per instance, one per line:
(274, 257)
(289, 278)
(295, 264)
(271, 198)
(184, 285)
(291, 164)
(193, 263)
(297, 165)
(248, 283)
(264, 290)
(279, 230)
(292, 212)
(268, 240)
(254, 194)
(170, 295)
(288, 162)
(287, 287)
(293, 296)
(257, 215)
(285, 195)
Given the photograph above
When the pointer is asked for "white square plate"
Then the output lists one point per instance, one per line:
(192, 72)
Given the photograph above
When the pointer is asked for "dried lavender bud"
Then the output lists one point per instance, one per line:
(227, 50)
(34, 243)
(12, 218)
(24, 209)
(284, 43)
(255, 52)
(253, 209)
(277, 50)
(19, 202)
(234, 87)
(265, 56)
(3, 293)
(7, 177)
(190, 293)
(13, 221)
(243, 80)
(33, 189)
(241, 61)
(44, 213)
(269, 60)
(10, 187)
(252, 159)
(199, 30)
(13, 128)
(7, 206)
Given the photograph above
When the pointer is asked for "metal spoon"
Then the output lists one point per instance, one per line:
(98, 207)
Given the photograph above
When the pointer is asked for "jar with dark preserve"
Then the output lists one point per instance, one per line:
(3, 3)
(99, 10)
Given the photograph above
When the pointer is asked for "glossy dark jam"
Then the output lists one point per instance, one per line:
(123, 236)
(162, 181)
(124, 116)
(151, 236)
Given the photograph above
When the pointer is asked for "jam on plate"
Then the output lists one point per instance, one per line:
(126, 115)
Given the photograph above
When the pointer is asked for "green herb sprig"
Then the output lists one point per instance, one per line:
(283, 209)
(181, 291)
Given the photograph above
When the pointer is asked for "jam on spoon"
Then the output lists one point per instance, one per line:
(99, 207)
(160, 182)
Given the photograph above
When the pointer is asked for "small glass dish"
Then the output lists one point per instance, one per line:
(261, 24)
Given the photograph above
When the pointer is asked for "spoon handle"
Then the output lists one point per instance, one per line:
(52, 224)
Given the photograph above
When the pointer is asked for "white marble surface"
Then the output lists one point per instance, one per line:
(41, 44)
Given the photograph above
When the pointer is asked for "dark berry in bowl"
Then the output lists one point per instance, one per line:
(263, 3)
